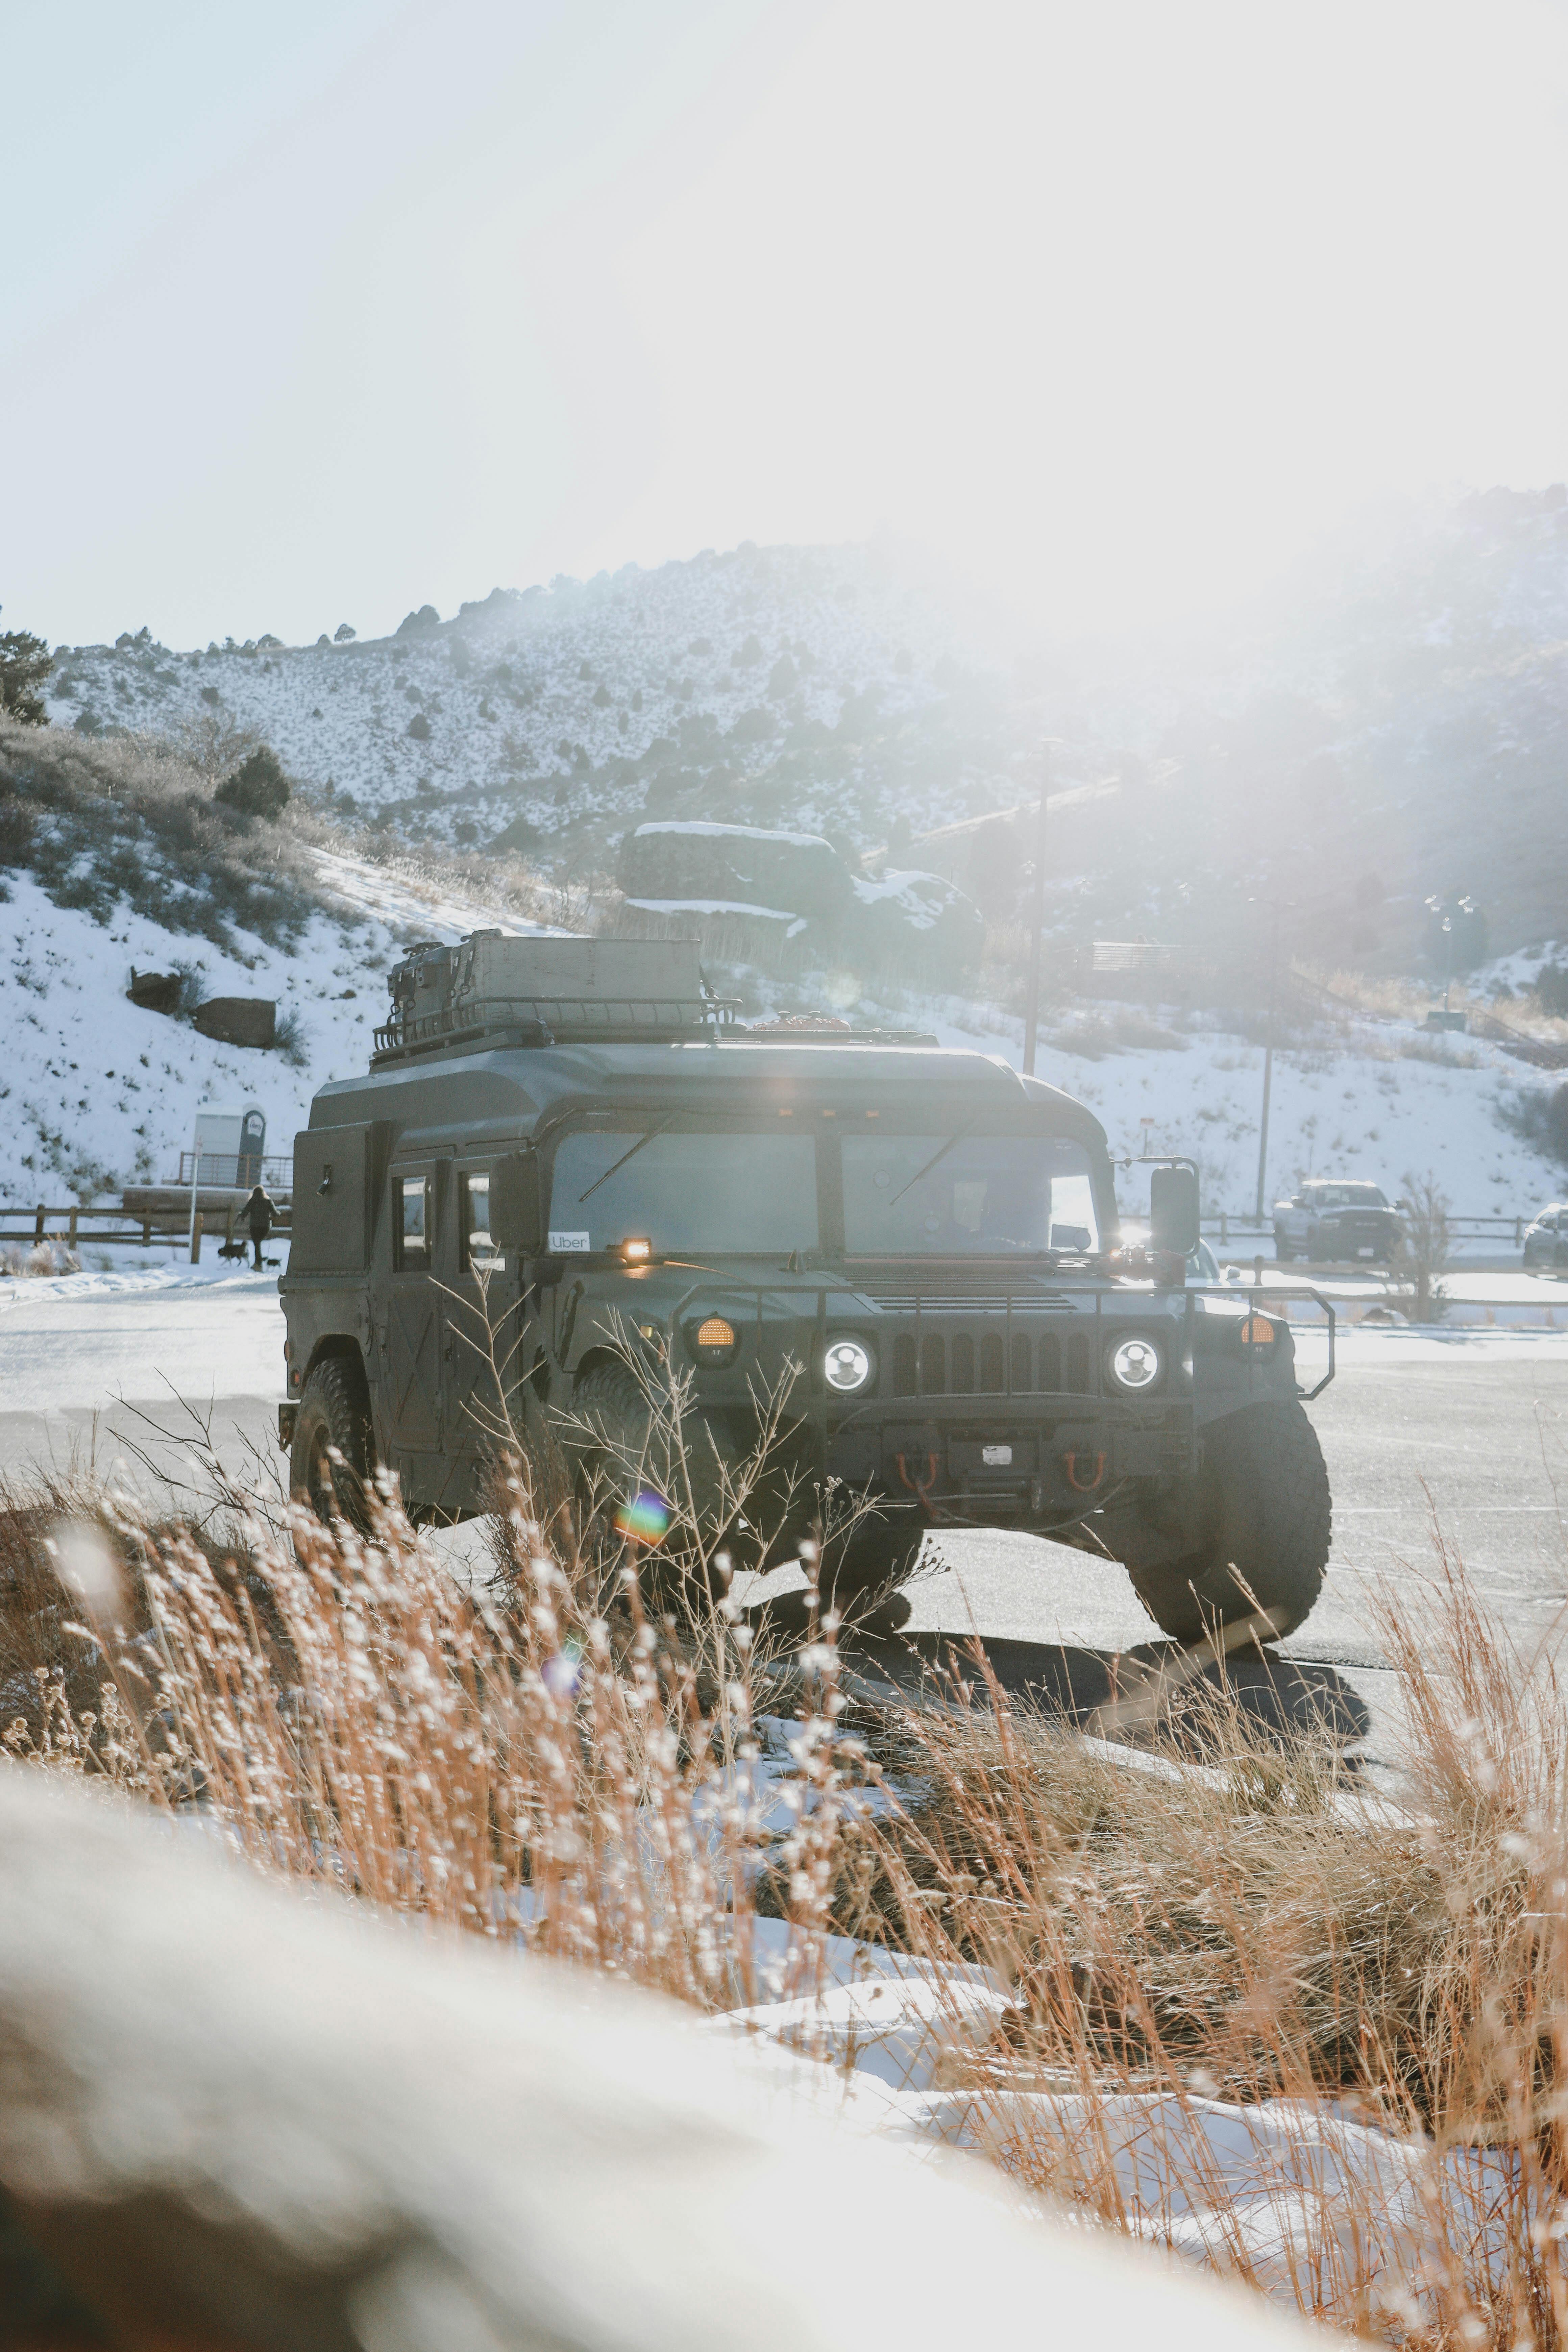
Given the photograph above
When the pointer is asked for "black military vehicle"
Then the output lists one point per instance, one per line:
(571, 1142)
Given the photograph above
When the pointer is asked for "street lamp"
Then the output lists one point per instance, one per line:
(1274, 904)
(1443, 914)
(1038, 914)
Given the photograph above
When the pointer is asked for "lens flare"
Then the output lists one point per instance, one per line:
(645, 1519)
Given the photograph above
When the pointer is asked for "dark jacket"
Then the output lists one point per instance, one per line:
(258, 1214)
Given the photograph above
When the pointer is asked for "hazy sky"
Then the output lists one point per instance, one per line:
(321, 311)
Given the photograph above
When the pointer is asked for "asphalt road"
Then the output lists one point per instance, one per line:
(1471, 1449)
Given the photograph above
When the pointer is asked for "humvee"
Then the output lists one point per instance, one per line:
(573, 1142)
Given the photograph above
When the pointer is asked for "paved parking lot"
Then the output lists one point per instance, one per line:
(1465, 1438)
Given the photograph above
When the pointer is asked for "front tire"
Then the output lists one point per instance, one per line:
(627, 1475)
(1262, 1515)
(1283, 1253)
(333, 1421)
(878, 1557)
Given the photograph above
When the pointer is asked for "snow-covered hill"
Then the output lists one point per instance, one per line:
(1392, 723)
(96, 1093)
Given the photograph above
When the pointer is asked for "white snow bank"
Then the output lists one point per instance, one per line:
(112, 1284)
(1305, 2199)
(1310, 2200)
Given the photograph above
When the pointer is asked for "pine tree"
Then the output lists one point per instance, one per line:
(258, 787)
(24, 663)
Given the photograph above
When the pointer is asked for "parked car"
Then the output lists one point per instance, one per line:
(1332, 1221)
(1546, 1241)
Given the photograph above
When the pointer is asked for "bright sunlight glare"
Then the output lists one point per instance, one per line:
(1122, 306)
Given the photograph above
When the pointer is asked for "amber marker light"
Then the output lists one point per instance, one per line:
(714, 1340)
(1257, 1332)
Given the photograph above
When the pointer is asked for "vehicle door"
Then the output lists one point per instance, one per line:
(414, 1310)
(480, 1341)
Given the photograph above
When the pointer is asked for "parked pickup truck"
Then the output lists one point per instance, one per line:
(1332, 1221)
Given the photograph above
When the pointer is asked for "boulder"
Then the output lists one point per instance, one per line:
(238, 1020)
(903, 913)
(156, 992)
(675, 865)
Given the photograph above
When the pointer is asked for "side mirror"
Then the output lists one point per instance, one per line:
(1173, 1211)
(517, 1210)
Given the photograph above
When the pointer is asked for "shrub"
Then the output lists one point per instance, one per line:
(258, 788)
(419, 728)
(343, 635)
(1552, 990)
(24, 664)
(1540, 1119)
(129, 821)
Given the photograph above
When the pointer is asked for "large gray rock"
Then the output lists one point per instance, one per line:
(238, 1020)
(678, 865)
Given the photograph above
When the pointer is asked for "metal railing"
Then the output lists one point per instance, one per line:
(235, 1171)
(1227, 1227)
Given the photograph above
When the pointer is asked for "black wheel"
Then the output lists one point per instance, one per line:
(1261, 1512)
(874, 1559)
(333, 1419)
(1283, 1253)
(637, 1500)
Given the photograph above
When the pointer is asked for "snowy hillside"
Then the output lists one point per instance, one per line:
(1393, 723)
(96, 1093)
(752, 683)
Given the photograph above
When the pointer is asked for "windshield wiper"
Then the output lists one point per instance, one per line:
(658, 1129)
(940, 1153)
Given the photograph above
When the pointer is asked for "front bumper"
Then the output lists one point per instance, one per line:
(1000, 1408)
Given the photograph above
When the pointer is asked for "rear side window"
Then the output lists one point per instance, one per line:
(411, 1226)
(479, 1253)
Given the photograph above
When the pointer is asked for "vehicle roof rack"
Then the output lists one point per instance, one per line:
(827, 1028)
(534, 992)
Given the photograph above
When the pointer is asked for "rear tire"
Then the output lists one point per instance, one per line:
(1283, 1253)
(1263, 1512)
(333, 1419)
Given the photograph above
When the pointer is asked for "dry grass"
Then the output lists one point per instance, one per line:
(540, 1760)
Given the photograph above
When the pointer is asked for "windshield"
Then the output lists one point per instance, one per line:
(963, 1194)
(1348, 1196)
(684, 1189)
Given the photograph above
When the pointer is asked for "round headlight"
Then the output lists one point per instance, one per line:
(848, 1366)
(1136, 1364)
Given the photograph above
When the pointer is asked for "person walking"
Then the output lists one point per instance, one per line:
(259, 1213)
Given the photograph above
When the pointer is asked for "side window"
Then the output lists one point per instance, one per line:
(479, 1253)
(411, 1224)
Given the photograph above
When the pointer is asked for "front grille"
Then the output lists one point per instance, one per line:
(1052, 1364)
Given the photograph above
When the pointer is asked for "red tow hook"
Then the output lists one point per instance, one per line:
(1084, 1485)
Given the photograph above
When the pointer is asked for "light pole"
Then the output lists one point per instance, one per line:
(1036, 918)
(1443, 915)
(1274, 905)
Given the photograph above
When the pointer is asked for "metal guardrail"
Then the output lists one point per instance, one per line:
(1461, 1227)
(237, 1171)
